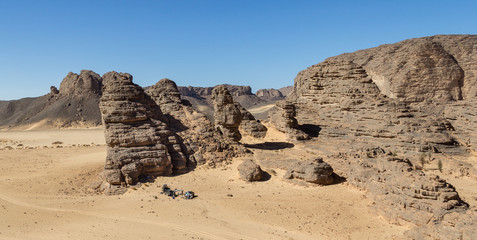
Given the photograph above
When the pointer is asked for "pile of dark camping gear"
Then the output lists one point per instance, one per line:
(177, 192)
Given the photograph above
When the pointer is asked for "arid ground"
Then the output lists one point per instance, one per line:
(46, 193)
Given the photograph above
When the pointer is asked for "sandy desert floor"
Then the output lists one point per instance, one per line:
(45, 194)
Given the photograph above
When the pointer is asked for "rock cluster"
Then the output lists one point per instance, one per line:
(282, 116)
(138, 137)
(249, 125)
(227, 116)
(207, 146)
(315, 171)
(250, 171)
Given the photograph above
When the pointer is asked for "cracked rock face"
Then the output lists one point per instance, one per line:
(227, 116)
(139, 140)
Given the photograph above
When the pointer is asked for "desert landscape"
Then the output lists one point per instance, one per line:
(375, 144)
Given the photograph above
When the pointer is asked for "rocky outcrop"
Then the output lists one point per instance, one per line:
(415, 197)
(249, 125)
(227, 116)
(270, 94)
(282, 116)
(139, 140)
(412, 98)
(204, 143)
(74, 105)
(315, 171)
(250, 171)
(86, 82)
(54, 90)
(286, 91)
(438, 68)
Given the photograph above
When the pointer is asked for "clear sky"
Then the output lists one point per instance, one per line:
(203, 43)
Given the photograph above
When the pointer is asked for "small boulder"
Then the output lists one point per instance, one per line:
(250, 171)
(315, 171)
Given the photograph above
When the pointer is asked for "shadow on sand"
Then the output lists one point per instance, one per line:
(270, 145)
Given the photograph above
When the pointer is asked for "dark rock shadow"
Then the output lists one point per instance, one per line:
(266, 177)
(270, 145)
(311, 129)
(337, 179)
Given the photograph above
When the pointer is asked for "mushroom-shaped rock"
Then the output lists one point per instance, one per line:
(250, 171)
(315, 171)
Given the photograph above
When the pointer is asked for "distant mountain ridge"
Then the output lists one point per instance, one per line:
(76, 103)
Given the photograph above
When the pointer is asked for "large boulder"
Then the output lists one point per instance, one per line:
(315, 171)
(250, 171)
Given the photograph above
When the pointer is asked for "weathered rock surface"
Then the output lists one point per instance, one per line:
(201, 98)
(227, 116)
(75, 105)
(282, 116)
(415, 197)
(270, 94)
(438, 68)
(250, 171)
(412, 97)
(315, 171)
(87, 81)
(204, 144)
(54, 90)
(138, 137)
(249, 125)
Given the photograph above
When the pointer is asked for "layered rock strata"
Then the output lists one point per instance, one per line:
(412, 99)
(282, 116)
(204, 144)
(315, 171)
(227, 116)
(139, 140)
(249, 125)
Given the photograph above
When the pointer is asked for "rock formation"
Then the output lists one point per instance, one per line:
(316, 171)
(438, 68)
(207, 146)
(138, 137)
(393, 181)
(250, 171)
(410, 98)
(74, 105)
(227, 116)
(282, 116)
(54, 90)
(270, 94)
(249, 125)
(87, 81)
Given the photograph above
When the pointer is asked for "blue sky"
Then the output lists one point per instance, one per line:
(203, 43)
